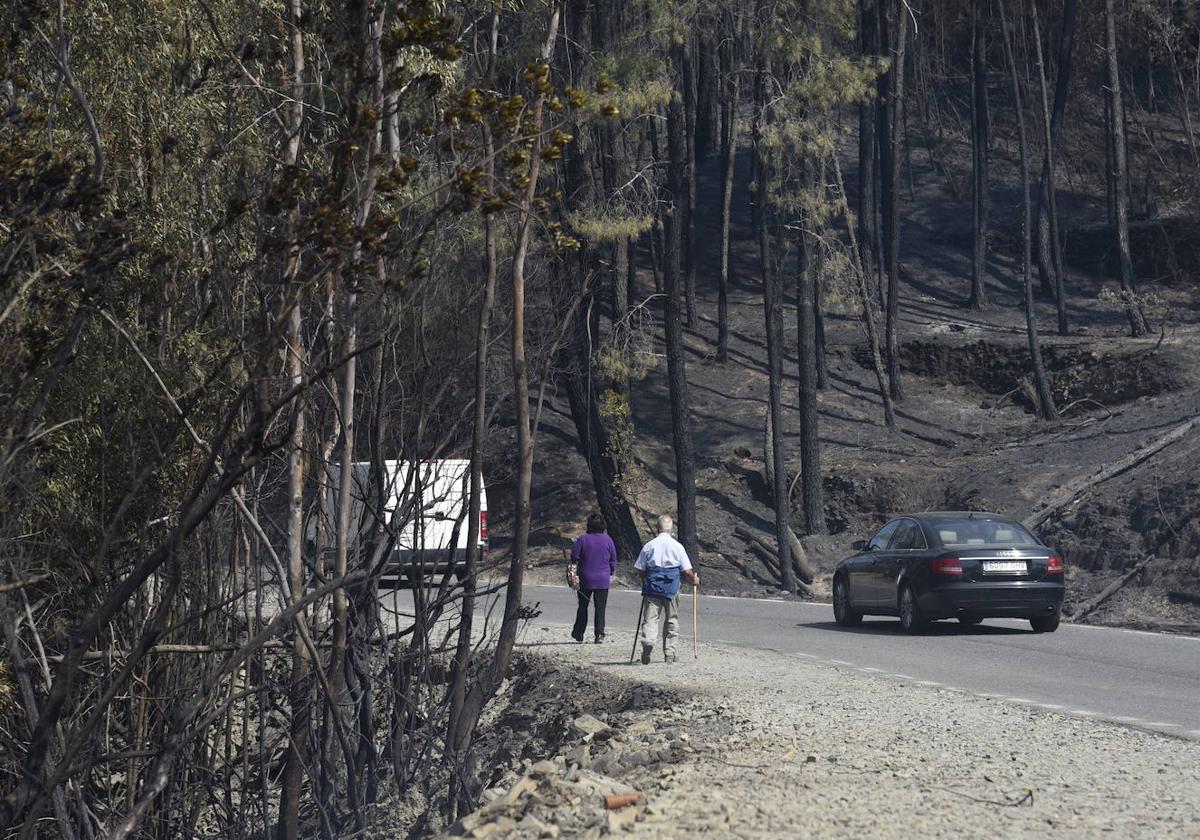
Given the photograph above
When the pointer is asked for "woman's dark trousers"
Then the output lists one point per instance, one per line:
(600, 597)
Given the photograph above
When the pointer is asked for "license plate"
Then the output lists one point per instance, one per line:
(1005, 566)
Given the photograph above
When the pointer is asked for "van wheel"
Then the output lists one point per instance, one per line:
(843, 613)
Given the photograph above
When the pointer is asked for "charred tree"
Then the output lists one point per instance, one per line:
(980, 130)
(773, 315)
(1045, 400)
(1118, 173)
(595, 446)
(689, 217)
(868, 199)
(1049, 252)
(893, 28)
(1046, 203)
(673, 281)
(811, 489)
(731, 88)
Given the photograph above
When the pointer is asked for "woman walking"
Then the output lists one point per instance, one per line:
(595, 556)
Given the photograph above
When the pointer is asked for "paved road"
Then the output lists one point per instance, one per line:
(1145, 680)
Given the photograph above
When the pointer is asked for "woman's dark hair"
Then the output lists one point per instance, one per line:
(596, 524)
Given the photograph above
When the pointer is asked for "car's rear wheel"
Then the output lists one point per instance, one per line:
(969, 619)
(1045, 623)
(912, 619)
(843, 613)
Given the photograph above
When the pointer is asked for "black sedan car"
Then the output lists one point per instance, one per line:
(963, 565)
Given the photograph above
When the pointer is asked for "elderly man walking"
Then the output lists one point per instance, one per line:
(662, 564)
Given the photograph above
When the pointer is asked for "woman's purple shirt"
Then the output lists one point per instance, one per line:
(596, 556)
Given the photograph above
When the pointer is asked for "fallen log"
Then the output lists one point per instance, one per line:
(800, 557)
(1074, 488)
(771, 560)
(800, 562)
(768, 559)
(747, 571)
(1089, 607)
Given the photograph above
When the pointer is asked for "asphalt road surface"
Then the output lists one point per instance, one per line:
(1145, 680)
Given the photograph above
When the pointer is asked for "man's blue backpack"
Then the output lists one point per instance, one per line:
(661, 583)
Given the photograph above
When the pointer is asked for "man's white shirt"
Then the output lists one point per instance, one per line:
(663, 552)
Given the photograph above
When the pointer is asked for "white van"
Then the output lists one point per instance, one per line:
(435, 501)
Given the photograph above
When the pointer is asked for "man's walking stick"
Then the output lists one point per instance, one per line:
(695, 621)
(638, 631)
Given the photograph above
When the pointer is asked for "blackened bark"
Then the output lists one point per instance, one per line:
(595, 446)
(1120, 186)
(708, 82)
(894, 31)
(1049, 244)
(979, 156)
(773, 316)
(1046, 407)
(866, 300)
(731, 89)
(866, 194)
(681, 429)
(812, 501)
(689, 218)
(1046, 194)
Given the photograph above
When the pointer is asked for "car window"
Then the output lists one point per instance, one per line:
(982, 532)
(908, 536)
(880, 540)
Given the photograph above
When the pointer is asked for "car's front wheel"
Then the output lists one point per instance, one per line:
(843, 613)
(1045, 623)
(912, 619)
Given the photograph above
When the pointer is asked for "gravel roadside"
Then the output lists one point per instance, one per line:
(742, 743)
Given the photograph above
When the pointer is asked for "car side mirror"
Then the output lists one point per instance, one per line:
(859, 545)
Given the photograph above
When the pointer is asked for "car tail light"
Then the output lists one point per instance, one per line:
(483, 525)
(948, 565)
(1054, 565)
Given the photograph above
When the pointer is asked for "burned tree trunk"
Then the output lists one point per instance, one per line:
(1049, 240)
(773, 315)
(595, 446)
(731, 88)
(1046, 407)
(894, 31)
(811, 490)
(867, 195)
(1120, 186)
(979, 156)
(689, 217)
(681, 429)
